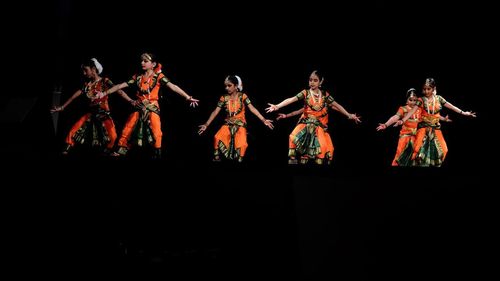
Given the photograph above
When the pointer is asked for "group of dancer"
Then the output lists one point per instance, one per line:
(143, 126)
(421, 142)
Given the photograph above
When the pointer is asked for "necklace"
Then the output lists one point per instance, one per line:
(232, 106)
(433, 105)
(147, 78)
(316, 96)
(146, 83)
(91, 87)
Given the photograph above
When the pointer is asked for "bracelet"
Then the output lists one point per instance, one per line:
(461, 112)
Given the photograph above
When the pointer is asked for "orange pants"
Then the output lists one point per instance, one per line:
(130, 126)
(224, 136)
(403, 144)
(109, 126)
(324, 139)
(438, 141)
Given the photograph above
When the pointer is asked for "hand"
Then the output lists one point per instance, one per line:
(133, 102)
(381, 126)
(99, 95)
(447, 119)
(271, 108)
(138, 104)
(56, 109)
(202, 129)
(356, 118)
(469, 113)
(268, 123)
(399, 123)
(192, 102)
(281, 116)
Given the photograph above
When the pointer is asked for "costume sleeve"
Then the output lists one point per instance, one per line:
(442, 101)
(132, 80)
(401, 112)
(246, 100)
(329, 99)
(301, 95)
(163, 79)
(222, 102)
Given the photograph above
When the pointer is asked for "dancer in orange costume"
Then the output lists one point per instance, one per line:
(143, 125)
(430, 147)
(231, 139)
(310, 138)
(96, 126)
(408, 131)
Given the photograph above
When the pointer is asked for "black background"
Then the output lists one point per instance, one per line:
(358, 218)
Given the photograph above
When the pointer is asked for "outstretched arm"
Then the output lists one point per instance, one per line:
(392, 120)
(276, 107)
(210, 119)
(406, 117)
(459, 111)
(111, 90)
(115, 88)
(62, 107)
(293, 113)
(336, 106)
(126, 97)
(267, 122)
(193, 102)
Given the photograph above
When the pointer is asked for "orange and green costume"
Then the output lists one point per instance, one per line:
(143, 125)
(310, 138)
(430, 147)
(96, 126)
(231, 139)
(407, 134)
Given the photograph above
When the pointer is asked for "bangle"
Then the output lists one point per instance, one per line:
(461, 112)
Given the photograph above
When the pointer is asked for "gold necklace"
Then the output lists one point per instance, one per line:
(90, 88)
(231, 101)
(147, 81)
(433, 105)
(316, 97)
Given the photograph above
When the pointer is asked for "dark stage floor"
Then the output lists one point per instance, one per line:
(154, 218)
